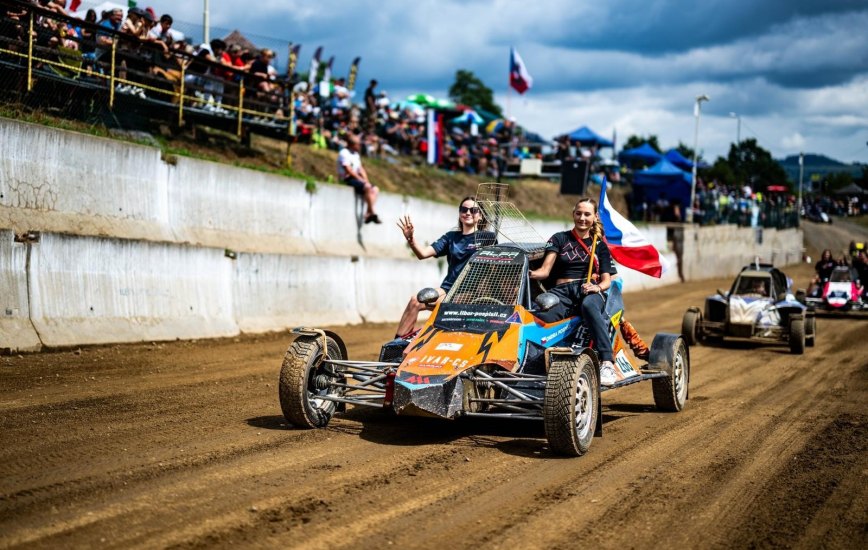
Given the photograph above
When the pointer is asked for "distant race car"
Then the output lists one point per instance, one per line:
(817, 216)
(758, 306)
(484, 353)
(839, 294)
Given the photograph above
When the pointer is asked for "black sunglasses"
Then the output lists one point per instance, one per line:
(466, 209)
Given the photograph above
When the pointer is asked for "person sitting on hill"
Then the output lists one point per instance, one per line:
(352, 173)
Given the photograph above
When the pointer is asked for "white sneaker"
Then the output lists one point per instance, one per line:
(607, 374)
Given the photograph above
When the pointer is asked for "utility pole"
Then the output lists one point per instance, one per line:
(801, 176)
(205, 32)
(696, 112)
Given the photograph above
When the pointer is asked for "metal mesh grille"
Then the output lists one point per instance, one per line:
(487, 282)
(503, 220)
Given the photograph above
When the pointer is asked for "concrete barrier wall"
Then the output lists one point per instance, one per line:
(272, 292)
(61, 181)
(16, 330)
(97, 290)
(384, 285)
(222, 206)
(133, 247)
(721, 251)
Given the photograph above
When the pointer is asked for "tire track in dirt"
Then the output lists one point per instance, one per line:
(177, 445)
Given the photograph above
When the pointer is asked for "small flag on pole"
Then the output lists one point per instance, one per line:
(354, 71)
(314, 66)
(519, 78)
(293, 61)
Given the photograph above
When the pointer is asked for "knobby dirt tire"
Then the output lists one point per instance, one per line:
(810, 331)
(296, 382)
(797, 335)
(670, 393)
(690, 327)
(571, 404)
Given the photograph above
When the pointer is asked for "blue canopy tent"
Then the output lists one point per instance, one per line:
(644, 153)
(585, 135)
(533, 137)
(663, 183)
(679, 160)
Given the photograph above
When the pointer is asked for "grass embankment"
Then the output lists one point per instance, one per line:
(409, 176)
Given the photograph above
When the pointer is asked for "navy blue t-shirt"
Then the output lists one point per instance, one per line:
(458, 249)
(572, 259)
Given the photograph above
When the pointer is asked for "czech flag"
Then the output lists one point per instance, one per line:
(519, 78)
(627, 245)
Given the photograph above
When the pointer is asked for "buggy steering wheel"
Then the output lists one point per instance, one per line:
(487, 300)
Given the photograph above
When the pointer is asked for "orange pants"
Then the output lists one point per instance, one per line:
(639, 347)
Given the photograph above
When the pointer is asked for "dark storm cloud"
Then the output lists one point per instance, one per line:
(571, 45)
(660, 27)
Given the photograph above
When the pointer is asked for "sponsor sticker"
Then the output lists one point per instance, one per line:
(448, 346)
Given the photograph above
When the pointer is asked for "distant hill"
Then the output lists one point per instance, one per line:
(817, 167)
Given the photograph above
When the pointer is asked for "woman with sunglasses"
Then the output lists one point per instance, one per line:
(458, 246)
(568, 257)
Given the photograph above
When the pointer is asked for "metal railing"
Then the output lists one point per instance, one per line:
(109, 74)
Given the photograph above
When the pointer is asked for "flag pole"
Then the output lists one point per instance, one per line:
(591, 259)
(594, 243)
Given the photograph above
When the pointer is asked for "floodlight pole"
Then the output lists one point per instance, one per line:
(696, 112)
(801, 175)
(205, 32)
(737, 117)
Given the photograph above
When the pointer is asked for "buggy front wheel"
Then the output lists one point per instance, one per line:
(690, 326)
(810, 331)
(571, 404)
(797, 335)
(670, 393)
(305, 380)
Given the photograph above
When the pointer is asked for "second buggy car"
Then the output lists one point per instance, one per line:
(838, 294)
(758, 306)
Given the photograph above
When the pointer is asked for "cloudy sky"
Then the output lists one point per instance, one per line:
(795, 71)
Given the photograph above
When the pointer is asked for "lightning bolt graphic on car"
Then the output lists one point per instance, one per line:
(426, 337)
(487, 342)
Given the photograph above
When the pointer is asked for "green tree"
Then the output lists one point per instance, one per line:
(687, 152)
(721, 172)
(837, 180)
(470, 90)
(754, 165)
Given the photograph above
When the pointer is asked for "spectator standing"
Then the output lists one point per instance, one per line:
(163, 31)
(221, 74)
(370, 106)
(111, 21)
(352, 173)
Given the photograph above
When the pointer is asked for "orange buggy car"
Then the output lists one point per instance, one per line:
(483, 353)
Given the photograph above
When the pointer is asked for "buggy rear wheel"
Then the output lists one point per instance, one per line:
(810, 331)
(690, 326)
(571, 405)
(304, 380)
(797, 335)
(670, 393)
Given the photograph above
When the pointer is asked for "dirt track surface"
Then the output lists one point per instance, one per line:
(183, 445)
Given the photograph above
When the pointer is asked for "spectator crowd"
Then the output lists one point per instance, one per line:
(154, 61)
